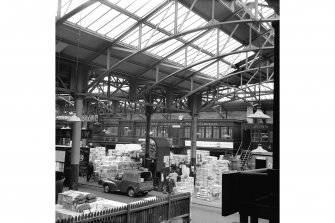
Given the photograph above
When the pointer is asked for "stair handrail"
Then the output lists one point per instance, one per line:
(238, 149)
(245, 161)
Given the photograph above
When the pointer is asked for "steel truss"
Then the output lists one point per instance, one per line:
(214, 90)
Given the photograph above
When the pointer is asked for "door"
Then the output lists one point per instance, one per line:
(246, 138)
(117, 181)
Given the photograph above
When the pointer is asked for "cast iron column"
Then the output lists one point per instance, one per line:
(148, 112)
(276, 99)
(195, 105)
(80, 77)
(75, 151)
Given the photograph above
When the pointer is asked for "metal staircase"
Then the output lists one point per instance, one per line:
(245, 156)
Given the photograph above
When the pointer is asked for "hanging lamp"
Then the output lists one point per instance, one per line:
(259, 113)
(73, 118)
(259, 149)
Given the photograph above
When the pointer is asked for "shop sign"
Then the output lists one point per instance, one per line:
(67, 133)
(176, 126)
(260, 126)
(209, 144)
(90, 118)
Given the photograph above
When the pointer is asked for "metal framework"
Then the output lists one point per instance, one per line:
(185, 48)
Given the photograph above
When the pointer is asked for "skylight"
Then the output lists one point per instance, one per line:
(113, 22)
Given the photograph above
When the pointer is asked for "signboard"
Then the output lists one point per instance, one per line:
(60, 156)
(127, 147)
(88, 118)
(67, 133)
(209, 144)
(167, 161)
(175, 126)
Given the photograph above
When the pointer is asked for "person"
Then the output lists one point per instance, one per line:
(170, 184)
(90, 170)
(59, 184)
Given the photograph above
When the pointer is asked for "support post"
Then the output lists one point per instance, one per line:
(148, 112)
(80, 78)
(276, 101)
(108, 66)
(157, 73)
(175, 16)
(195, 101)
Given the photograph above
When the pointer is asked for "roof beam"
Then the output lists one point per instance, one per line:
(220, 80)
(74, 11)
(139, 21)
(195, 64)
(209, 26)
(225, 95)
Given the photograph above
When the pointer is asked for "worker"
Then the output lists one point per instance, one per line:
(90, 170)
(170, 184)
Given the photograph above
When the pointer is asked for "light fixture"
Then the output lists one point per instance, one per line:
(259, 114)
(73, 118)
(259, 149)
(63, 127)
(180, 117)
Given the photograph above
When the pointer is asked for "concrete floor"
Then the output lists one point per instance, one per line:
(201, 211)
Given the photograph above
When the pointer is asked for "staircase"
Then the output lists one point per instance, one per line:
(245, 156)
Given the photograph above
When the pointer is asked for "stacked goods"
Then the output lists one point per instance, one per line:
(185, 170)
(203, 193)
(103, 204)
(74, 203)
(97, 153)
(185, 185)
(178, 159)
(201, 155)
(211, 160)
(209, 193)
(62, 213)
(75, 200)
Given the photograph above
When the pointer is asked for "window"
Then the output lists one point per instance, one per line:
(154, 130)
(140, 131)
(112, 131)
(209, 132)
(187, 132)
(126, 130)
(201, 130)
(226, 132)
(216, 132)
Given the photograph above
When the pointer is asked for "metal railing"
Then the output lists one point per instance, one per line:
(151, 211)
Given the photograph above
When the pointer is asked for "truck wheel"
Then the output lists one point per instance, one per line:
(131, 192)
(106, 189)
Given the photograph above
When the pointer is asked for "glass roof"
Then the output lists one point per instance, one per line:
(111, 23)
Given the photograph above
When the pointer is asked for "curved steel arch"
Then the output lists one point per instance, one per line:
(200, 62)
(74, 11)
(210, 26)
(221, 79)
(214, 100)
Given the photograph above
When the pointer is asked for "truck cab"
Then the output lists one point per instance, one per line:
(131, 182)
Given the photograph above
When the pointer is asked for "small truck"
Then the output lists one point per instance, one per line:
(131, 182)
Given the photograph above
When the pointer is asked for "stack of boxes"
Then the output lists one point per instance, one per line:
(177, 159)
(115, 162)
(209, 178)
(185, 185)
(75, 203)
